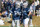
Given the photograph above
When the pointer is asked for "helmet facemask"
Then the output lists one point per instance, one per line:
(17, 5)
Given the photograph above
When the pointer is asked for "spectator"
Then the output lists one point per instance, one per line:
(4, 13)
(33, 7)
(38, 9)
(1, 22)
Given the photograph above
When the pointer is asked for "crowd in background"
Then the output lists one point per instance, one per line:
(6, 8)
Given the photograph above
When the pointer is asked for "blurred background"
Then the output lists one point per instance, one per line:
(6, 13)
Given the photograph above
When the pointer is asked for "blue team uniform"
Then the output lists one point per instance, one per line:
(25, 13)
(15, 15)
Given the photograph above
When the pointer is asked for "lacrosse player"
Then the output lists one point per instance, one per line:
(16, 15)
(25, 13)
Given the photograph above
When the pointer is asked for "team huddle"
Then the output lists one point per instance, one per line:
(20, 9)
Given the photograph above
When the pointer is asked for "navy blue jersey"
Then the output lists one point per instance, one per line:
(16, 13)
(25, 13)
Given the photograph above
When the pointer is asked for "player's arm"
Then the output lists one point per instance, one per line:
(29, 13)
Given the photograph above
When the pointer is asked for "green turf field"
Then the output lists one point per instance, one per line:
(4, 26)
(21, 26)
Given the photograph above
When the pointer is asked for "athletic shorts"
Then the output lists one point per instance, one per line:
(25, 21)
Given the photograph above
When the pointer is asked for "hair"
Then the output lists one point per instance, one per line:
(32, 2)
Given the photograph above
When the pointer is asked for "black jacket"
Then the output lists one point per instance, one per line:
(37, 7)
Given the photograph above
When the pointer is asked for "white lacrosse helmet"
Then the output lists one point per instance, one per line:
(25, 4)
(17, 4)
